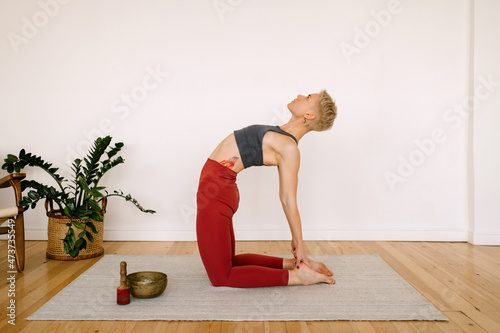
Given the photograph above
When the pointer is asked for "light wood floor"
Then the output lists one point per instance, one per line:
(461, 280)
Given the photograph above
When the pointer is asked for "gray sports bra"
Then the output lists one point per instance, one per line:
(249, 141)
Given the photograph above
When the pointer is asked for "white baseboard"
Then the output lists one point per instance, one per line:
(340, 235)
(484, 238)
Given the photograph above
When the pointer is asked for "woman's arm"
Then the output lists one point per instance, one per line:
(288, 168)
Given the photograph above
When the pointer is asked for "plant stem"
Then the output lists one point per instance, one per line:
(53, 176)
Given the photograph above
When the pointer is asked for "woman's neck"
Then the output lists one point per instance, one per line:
(295, 127)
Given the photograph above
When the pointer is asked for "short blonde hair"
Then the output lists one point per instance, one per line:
(326, 112)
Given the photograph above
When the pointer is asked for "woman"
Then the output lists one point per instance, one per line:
(218, 199)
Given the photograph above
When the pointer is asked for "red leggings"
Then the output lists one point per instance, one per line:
(217, 200)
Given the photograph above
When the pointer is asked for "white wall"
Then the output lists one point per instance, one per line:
(393, 167)
(485, 224)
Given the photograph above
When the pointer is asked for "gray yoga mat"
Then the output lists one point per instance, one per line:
(366, 289)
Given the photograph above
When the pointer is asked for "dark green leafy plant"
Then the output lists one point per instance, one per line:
(78, 198)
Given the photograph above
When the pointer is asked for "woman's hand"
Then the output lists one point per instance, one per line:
(299, 254)
(316, 266)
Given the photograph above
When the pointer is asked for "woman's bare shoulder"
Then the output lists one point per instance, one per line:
(280, 149)
(281, 143)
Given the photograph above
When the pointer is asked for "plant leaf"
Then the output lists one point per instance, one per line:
(11, 158)
(74, 252)
(67, 212)
(66, 246)
(79, 242)
(33, 195)
(95, 193)
(90, 237)
(94, 205)
(92, 227)
(96, 217)
(72, 238)
(79, 225)
(83, 184)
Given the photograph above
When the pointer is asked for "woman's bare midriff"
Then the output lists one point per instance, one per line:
(227, 154)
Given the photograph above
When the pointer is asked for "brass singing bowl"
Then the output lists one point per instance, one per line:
(147, 284)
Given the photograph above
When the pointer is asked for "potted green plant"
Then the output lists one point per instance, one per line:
(77, 200)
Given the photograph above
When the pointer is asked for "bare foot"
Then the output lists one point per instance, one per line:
(306, 276)
(320, 268)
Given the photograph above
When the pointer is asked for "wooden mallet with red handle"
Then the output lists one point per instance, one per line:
(123, 291)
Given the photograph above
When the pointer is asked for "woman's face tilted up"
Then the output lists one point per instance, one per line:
(303, 105)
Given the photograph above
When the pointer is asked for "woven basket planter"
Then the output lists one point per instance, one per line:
(57, 229)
